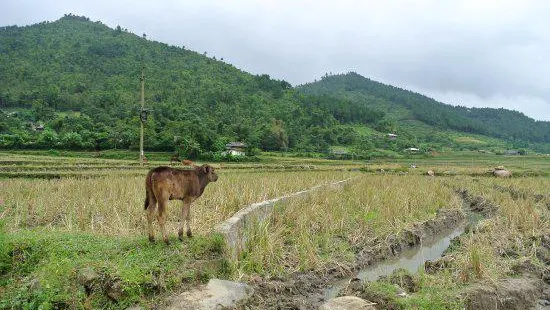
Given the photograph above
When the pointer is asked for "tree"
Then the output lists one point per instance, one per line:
(48, 139)
(187, 147)
(72, 140)
(364, 147)
(385, 125)
(275, 137)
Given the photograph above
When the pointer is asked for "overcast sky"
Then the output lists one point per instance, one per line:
(479, 53)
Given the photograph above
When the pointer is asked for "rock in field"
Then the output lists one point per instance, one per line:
(500, 172)
(86, 276)
(217, 294)
(347, 303)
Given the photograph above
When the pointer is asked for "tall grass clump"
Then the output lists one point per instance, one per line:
(114, 205)
(327, 227)
(505, 238)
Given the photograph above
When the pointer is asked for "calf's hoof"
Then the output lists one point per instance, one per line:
(151, 239)
(180, 234)
(167, 241)
(189, 234)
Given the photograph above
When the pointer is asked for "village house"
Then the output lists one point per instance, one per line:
(37, 127)
(235, 148)
(340, 153)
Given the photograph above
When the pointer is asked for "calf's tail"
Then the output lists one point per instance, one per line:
(148, 189)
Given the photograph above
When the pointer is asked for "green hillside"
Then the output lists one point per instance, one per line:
(412, 109)
(80, 79)
(74, 84)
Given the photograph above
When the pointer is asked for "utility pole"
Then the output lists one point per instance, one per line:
(142, 115)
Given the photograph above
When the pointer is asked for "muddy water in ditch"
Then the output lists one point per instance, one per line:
(430, 248)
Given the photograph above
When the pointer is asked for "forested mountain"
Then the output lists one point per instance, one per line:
(81, 80)
(74, 83)
(406, 105)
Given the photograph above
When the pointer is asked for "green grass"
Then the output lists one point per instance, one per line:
(68, 113)
(106, 154)
(39, 269)
(468, 140)
(461, 140)
(384, 292)
(365, 130)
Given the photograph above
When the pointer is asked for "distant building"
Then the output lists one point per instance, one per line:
(511, 152)
(412, 150)
(392, 136)
(37, 127)
(235, 148)
(340, 153)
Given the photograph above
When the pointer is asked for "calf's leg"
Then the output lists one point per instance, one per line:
(185, 216)
(151, 217)
(162, 219)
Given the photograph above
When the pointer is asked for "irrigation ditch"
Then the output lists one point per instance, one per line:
(425, 244)
(309, 290)
(527, 288)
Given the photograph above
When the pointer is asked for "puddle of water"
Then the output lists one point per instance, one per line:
(412, 259)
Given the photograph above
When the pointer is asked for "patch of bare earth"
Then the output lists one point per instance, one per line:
(531, 290)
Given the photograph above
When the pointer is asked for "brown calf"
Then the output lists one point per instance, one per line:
(165, 183)
(187, 162)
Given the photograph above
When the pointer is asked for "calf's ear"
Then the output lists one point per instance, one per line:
(205, 168)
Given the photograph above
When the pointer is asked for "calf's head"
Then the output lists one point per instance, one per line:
(208, 170)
